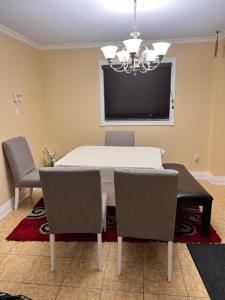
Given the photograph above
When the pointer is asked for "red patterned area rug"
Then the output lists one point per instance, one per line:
(35, 228)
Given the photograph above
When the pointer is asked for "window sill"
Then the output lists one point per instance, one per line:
(137, 123)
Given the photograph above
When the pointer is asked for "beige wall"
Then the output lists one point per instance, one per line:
(20, 69)
(72, 103)
(61, 105)
(217, 157)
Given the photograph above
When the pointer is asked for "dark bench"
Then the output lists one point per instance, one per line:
(191, 192)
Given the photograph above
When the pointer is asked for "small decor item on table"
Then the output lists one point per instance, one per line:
(49, 157)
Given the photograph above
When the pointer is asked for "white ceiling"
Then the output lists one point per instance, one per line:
(85, 22)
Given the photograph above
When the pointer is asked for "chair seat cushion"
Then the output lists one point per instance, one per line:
(31, 179)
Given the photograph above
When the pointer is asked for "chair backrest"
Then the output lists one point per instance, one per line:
(146, 203)
(119, 138)
(72, 198)
(19, 156)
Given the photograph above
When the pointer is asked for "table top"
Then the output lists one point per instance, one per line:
(112, 157)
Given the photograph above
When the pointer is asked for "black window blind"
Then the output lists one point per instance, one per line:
(137, 97)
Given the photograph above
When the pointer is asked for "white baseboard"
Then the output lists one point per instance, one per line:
(201, 175)
(206, 175)
(218, 180)
(7, 207)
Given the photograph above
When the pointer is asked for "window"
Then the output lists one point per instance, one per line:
(141, 99)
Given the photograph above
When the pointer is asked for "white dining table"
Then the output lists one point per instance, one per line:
(108, 158)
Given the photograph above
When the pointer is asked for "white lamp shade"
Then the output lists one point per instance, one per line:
(109, 51)
(150, 55)
(123, 55)
(161, 47)
(132, 45)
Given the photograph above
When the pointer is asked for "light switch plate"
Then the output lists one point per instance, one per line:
(17, 97)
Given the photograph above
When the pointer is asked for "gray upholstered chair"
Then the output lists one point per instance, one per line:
(119, 138)
(74, 203)
(22, 165)
(146, 203)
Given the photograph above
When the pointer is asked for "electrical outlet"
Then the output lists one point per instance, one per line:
(196, 159)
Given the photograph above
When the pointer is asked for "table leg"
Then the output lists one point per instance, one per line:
(206, 217)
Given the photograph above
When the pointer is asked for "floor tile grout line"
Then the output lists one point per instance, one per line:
(177, 252)
(59, 289)
(75, 251)
(183, 266)
(17, 290)
(122, 291)
(44, 284)
(23, 281)
(67, 270)
(164, 294)
(198, 274)
(106, 264)
(80, 287)
(108, 251)
(61, 285)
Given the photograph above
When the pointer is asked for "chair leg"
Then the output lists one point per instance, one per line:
(52, 252)
(119, 254)
(170, 260)
(100, 251)
(17, 197)
(31, 192)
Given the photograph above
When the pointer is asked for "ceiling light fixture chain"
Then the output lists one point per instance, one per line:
(135, 56)
(135, 34)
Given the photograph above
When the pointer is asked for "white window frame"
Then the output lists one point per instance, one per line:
(168, 122)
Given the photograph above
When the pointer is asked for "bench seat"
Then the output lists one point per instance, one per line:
(190, 191)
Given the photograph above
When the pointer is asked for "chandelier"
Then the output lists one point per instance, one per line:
(135, 56)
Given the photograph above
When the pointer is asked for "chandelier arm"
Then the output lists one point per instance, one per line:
(140, 53)
(119, 69)
(142, 72)
(128, 69)
(149, 66)
(141, 57)
(145, 65)
(143, 46)
(142, 69)
(152, 68)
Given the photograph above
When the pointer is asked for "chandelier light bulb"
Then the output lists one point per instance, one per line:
(132, 45)
(150, 55)
(123, 55)
(109, 51)
(161, 48)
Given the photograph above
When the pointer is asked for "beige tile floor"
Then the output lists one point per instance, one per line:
(24, 267)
